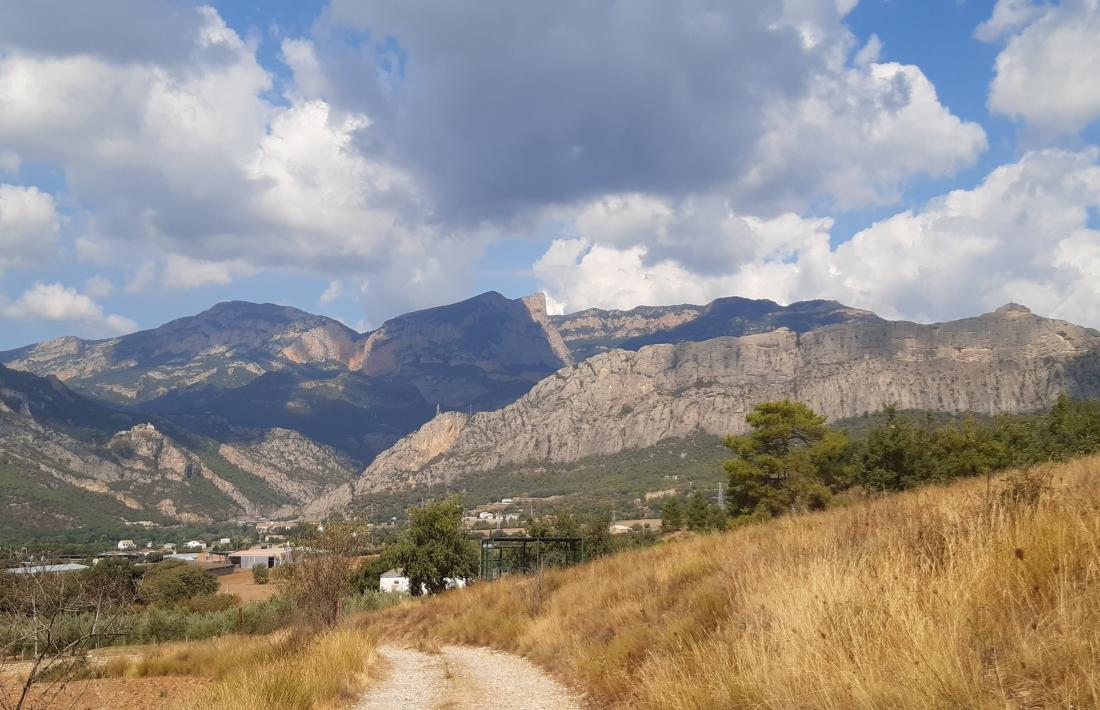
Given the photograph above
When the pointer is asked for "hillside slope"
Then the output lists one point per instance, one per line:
(977, 595)
(67, 461)
(1007, 361)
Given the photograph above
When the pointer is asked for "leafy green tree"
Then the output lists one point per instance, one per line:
(592, 528)
(672, 515)
(173, 581)
(787, 461)
(1072, 428)
(366, 576)
(698, 512)
(433, 547)
(115, 578)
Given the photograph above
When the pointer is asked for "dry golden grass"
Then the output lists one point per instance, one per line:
(967, 596)
(327, 673)
(286, 669)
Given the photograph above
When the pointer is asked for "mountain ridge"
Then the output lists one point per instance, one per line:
(1009, 360)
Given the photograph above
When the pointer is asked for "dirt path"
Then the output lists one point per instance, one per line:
(461, 678)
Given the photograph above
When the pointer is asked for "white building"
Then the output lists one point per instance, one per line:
(195, 545)
(486, 515)
(268, 557)
(395, 581)
(47, 569)
(224, 541)
(126, 545)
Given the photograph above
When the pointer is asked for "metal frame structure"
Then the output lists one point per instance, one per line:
(527, 555)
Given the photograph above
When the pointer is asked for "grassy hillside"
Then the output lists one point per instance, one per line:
(620, 479)
(981, 594)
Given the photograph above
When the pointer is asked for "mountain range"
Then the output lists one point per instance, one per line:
(250, 410)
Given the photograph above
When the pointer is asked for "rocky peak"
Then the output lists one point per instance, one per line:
(625, 399)
(1012, 310)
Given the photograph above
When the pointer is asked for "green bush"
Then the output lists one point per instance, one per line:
(173, 581)
(370, 600)
(259, 573)
(211, 602)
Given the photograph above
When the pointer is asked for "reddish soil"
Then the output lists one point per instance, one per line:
(160, 693)
(241, 584)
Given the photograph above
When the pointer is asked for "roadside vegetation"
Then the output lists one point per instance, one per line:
(984, 593)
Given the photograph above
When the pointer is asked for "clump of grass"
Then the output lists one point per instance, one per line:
(978, 594)
(328, 670)
(290, 669)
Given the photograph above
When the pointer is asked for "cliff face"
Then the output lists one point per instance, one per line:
(258, 367)
(595, 330)
(482, 352)
(1007, 361)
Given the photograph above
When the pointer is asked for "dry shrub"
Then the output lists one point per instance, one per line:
(976, 595)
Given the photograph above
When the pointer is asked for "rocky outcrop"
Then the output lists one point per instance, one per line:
(479, 353)
(596, 330)
(291, 463)
(1006, 361)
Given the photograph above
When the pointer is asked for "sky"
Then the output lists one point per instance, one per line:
(925, 159)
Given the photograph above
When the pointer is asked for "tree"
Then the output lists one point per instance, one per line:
(786, 462)
(173, 581)
(672, 515)
(697, 511)
(37, 608)
(434, 547)
(317, 580)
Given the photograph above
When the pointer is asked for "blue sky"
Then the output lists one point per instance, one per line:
(363, 159)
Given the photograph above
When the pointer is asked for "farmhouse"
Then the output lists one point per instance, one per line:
(268, 557)
(395, 581)
(126, 545)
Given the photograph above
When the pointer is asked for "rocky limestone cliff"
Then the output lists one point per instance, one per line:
(290, 463)
(596, 330)
(1006, 361)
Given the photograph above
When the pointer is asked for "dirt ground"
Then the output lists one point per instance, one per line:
(160, 693)
(464, 678)
(241, 584)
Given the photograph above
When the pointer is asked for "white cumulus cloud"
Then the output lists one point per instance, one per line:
(1047, 71)
(1023, 234)
(29, 226)
(58, 303)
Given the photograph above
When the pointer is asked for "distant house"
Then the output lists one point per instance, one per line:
(195, 545)
(126, 545)
(48, 569)
(224, 541)
(169, 546)
(268, 557)
(486, 515)
(505, 501)
(618, 529)
(395, 581)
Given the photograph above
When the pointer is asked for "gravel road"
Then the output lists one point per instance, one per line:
(463, 678)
